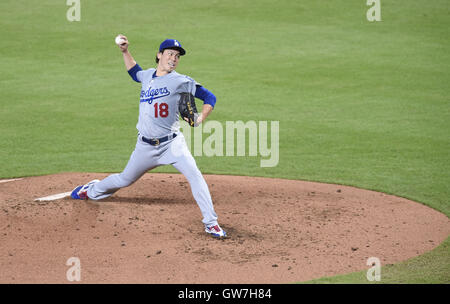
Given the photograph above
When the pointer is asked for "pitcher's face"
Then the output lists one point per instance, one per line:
(168, 60)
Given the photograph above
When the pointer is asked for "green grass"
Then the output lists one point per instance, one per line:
(359, 103)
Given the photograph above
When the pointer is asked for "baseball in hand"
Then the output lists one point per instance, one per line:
(119, 40)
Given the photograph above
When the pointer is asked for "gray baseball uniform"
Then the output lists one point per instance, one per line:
(159, 120)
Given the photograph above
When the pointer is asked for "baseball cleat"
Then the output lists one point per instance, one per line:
(216, 231)
(80, 192)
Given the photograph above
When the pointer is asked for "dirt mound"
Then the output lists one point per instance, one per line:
(280, 231)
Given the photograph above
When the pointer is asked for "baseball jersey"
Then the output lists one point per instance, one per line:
(158, 102)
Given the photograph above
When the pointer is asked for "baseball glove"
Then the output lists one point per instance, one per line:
(187, 108)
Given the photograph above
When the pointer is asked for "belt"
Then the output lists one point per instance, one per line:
(158, 141)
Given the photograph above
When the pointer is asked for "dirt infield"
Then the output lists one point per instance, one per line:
(280, 231)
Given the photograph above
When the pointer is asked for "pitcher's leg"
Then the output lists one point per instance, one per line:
(199, 188)
(136, 167)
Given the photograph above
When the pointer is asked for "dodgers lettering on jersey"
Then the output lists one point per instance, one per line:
(158, 106)
(152, 94)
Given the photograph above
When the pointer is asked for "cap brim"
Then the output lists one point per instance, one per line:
(180, 49)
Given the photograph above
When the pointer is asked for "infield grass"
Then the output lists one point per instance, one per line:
(359, 103)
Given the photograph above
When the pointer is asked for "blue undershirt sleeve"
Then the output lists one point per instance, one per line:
(133, 72)
(205, 95)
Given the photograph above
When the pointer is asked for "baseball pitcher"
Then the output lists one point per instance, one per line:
(165, 96)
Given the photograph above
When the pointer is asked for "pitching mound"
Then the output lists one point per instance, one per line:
(280, 231)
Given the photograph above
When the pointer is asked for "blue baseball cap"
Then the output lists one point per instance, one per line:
(172, 44)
